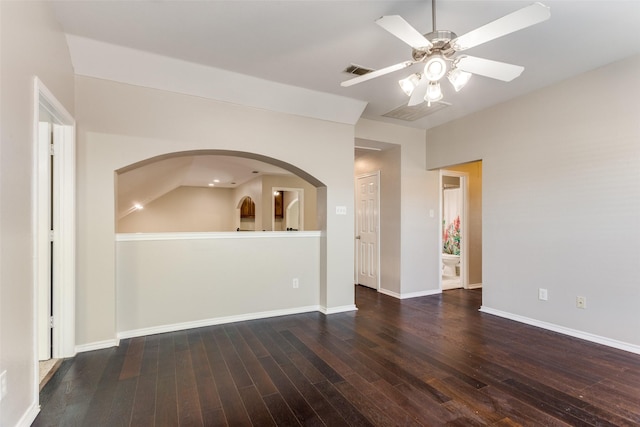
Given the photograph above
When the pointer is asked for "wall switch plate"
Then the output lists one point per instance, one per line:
(296, 283)
(581, 302)
(341, 210)
(543, 295)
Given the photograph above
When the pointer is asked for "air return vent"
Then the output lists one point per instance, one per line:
(357, 70)
(410, 114)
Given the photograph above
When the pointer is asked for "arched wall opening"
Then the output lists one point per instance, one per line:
(203, 190)
(176, 278)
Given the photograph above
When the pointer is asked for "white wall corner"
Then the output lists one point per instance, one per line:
(408, 295)
(340, 309)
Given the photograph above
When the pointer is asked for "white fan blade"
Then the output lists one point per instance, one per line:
(377, 73)
(530, 15)
(417, 96)
(488, 68)
(400, 28)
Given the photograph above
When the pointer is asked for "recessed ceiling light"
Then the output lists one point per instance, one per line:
(138, 206)
(216, 181)
(211, 184)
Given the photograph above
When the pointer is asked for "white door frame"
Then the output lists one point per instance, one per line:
(376, 174)
(64, 227)
(464, 253)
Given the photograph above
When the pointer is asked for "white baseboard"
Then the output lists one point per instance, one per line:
(632, 348)
(209, 322)
(214, 321)
(388, 292)
(409, 294)
(29, 416)
(341, 309)
(474, 286)
(98, 345)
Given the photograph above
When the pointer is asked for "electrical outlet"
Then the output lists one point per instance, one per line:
(3, 384)
(543, 295)
(296, 283)
(581, 302)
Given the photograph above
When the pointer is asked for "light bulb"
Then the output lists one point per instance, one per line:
(434, 93)
(435, 68)
(408, 84)
(458, 78)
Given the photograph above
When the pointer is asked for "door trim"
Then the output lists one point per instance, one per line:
(464, 253)
(376, 174)
(64, 282)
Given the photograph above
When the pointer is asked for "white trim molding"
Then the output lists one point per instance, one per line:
(214, 321)
(97, 345)
(632, 348)
(135, 237)
(29, 416)
(340, 309)
(475, 286)
(410, 294)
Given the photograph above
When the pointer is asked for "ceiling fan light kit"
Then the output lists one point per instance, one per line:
(438, 50)
(458, 78)
(408, 84)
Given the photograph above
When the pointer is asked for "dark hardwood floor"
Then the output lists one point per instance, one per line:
(429, 361)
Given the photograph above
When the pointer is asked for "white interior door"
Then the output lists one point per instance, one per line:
(368, 219)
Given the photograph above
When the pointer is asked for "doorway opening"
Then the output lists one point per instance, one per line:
(461, 221)
(286, 212)
(54, 231)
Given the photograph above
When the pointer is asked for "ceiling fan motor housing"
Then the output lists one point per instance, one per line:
(441, 41)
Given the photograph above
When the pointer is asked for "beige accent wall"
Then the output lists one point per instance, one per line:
(130, 124)
(184, 209)
(474, 218)
(561, 201)
(388, 163)
(31, 44)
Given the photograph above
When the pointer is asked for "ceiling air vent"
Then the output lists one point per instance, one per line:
(410, 114)
(357, 70)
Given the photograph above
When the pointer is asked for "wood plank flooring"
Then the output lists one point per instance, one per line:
(426, 361)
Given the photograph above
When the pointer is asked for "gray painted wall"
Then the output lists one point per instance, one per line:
(32, 45)
(561, 200)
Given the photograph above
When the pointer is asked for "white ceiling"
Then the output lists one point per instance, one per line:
(306, 44)
(261, 53)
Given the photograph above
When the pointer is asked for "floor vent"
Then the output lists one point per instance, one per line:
(410, 114)
(357, 70)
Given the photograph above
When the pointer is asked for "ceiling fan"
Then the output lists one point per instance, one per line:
(438, 50)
